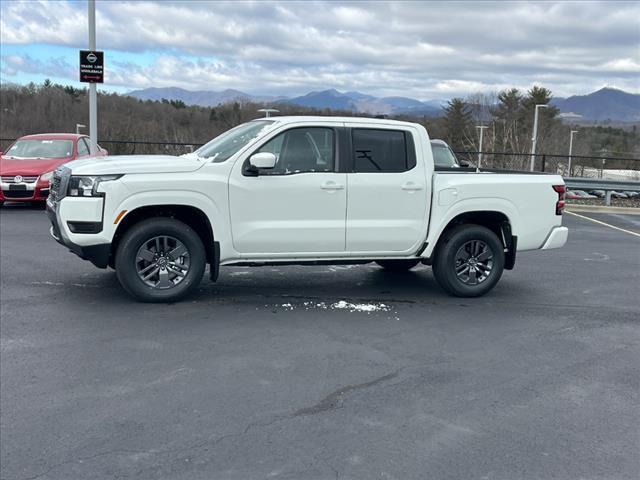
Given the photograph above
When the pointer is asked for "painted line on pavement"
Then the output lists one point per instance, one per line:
(603, 223)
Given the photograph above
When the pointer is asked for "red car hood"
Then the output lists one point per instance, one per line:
(29, 167)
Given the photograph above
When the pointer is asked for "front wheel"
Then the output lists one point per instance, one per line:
(469, 261)
(160, 260)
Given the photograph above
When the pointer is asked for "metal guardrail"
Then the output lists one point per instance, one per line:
(542, 156)
(608, 186)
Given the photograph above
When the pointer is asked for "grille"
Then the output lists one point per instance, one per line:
(25, 178)
(17, 193)
(55, 186)
(58, 185)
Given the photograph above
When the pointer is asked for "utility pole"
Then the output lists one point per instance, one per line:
(573, 132)
(93, 90)
(534, 139)
(481, 128)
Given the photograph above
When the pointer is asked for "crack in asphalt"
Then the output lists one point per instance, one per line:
(332, 401)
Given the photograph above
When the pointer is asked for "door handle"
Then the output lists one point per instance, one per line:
(331, 186)
(412, 187)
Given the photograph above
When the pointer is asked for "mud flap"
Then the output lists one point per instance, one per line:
(214, 266)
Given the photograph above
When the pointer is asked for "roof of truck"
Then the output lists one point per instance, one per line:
(303, 118)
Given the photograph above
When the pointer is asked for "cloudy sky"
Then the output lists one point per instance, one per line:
(423, 50)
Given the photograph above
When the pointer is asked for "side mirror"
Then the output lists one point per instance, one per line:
(462, 163)
(263, 160)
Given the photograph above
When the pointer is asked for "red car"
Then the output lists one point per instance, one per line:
(27, 166)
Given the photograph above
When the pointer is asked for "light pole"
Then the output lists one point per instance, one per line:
(268, 111)
(93, 92)
(534, 139)
(481, 128)
(603, 152)
(573, 132)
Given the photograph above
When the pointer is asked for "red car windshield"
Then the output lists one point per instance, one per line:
(30, 149)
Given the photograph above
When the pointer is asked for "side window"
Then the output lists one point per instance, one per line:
(301, 150)
(83, 148)
(382, 150)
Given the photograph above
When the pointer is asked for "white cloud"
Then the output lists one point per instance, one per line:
(388, 48)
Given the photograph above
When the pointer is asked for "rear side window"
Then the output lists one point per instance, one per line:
(382, 150)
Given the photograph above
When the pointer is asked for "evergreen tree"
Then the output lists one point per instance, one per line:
(458, 123)
(547, 120)
(507, 116)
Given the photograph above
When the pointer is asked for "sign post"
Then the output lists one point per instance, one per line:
(92, 72)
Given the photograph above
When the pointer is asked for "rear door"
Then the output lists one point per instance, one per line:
(387, 191)
(298, 207)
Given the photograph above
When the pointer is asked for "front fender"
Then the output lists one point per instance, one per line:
(178, 197)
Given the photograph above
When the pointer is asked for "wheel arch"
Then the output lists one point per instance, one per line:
(497, 221)
(188, 214)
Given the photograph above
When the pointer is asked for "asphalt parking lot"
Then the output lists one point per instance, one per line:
(267, 375)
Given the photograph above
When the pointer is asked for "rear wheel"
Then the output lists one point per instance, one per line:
(160, 260)
(469, 261)
(398, 265)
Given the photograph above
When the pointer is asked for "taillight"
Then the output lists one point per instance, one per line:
(560, 190)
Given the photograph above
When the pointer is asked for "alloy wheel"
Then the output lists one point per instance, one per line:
(162, 262)
(473, 262)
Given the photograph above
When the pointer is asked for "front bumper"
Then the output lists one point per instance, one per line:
(557, 238)
(32, 192)
(97, 254)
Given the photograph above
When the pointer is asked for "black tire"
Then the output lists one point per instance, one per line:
(170, 287)
(450, 268)
(398, 265)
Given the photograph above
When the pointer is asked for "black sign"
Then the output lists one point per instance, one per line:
(91, 66)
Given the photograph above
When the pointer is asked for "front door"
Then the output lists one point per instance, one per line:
(297, 207)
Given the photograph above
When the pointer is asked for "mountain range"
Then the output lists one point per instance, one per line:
(602, 105)
(363, 103)
(203, 98)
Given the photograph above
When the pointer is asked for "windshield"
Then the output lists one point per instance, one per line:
(443, 156)
(40, 149)
(226, 145)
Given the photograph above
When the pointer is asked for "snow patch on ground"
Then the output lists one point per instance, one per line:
(341, 305)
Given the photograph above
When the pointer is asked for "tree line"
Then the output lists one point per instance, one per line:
(51, 107)
(508, 115)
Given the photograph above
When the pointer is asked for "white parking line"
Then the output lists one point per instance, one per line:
(605, 224)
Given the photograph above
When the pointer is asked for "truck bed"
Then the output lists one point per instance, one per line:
(527, 199)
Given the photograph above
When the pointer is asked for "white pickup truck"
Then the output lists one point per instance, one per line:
(301, 190)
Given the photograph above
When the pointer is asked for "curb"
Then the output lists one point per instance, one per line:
(603, 209)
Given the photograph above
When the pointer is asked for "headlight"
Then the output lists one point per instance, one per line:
(87, 186)
(46, 177)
